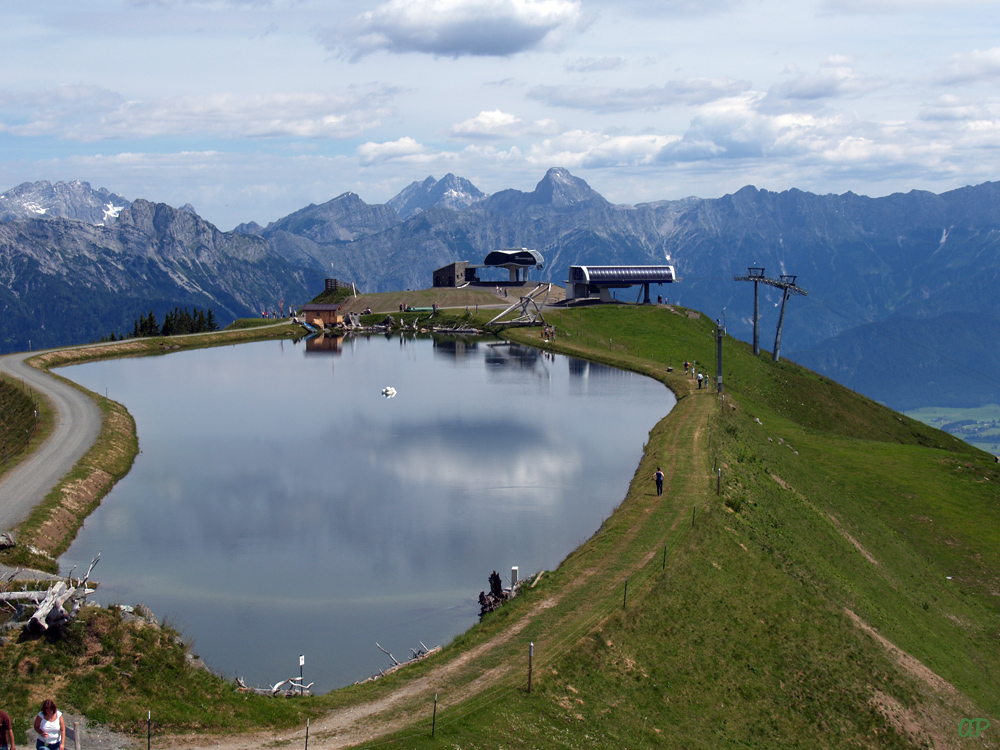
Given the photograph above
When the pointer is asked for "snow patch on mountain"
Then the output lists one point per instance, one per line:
(62, 200)
(111, 212)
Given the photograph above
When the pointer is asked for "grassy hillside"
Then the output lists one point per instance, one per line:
(445, 297)
(819, 572)
(17, 421)
(840, 590)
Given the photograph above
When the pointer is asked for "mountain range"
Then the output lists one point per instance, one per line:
(902, 297)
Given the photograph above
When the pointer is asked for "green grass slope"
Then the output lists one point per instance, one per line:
(18, 421)
(819, 572)
(839, 586)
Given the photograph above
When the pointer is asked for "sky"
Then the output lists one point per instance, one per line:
(252, 109)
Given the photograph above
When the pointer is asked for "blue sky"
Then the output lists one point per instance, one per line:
(251, 109)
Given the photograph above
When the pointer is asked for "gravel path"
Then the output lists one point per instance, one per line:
(92, 737)
(77, 424)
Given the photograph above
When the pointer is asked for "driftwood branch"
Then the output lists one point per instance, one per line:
(61, 603)
(295, 688)
(387, 654)
(33, 596)
(11, 576)
(422, 653)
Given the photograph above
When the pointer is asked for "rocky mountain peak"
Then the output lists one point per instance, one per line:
(560, 188)
(64, 200)
(342, 219)
(453, 192)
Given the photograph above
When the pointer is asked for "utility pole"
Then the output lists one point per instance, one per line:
(720, 332)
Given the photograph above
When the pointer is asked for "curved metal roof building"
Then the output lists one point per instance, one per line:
(514, 259)
(513, 256)
(585, 281)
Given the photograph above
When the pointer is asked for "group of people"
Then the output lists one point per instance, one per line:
(50, 728)
(689, 368)
(549, 333)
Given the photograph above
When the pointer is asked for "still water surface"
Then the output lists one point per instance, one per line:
(282, 506)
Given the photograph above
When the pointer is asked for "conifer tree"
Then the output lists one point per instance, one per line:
(152, 328)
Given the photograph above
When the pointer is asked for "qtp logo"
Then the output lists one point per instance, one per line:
(972, 727)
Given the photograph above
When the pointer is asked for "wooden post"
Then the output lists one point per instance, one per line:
(307, 735)
(718, 483)
(531, 655)
(664, 557)
(149, 730)
(692, 515)
(434, 720)
(625, 597)
(76, 735)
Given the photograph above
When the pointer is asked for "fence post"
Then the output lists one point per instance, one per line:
(434, 720)
(76, 735)
(531, 656)
(625, 597)
(664, 557)
(692, 514)
(307, 734)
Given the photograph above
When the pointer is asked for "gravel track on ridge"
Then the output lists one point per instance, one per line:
(77, 425)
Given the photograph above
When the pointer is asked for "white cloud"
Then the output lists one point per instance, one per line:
(495, 124)
(594, 150)
(93, 114)
(212, 3)
(670, 8)
(456, 28)
(952, 108)
(593, 64)
(877, 7)
(835, 78)
(973, 67)
(402, 149)
(610, 99)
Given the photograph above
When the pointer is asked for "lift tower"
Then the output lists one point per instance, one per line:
(756, 275)
(788, 286)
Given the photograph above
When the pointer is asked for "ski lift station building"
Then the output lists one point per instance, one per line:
(517, 260)
(586, 282)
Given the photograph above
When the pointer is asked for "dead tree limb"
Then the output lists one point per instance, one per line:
(387, 654)
(52, 611)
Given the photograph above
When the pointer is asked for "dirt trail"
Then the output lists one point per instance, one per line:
(475, 671)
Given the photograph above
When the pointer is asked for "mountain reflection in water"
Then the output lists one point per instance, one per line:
(282, 506)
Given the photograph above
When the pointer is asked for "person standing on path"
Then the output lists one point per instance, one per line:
(658, 478)
(701, 378)
(51, 727)
(6, 732)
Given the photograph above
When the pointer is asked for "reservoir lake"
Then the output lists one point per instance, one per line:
(282, 506)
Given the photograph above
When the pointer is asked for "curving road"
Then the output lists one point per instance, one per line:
(77, 425)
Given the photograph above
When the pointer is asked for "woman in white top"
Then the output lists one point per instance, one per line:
(51, 727)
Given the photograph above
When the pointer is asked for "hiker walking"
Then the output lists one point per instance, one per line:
(6, 731)
(701, 379)
(658, 478)
(50, 727)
